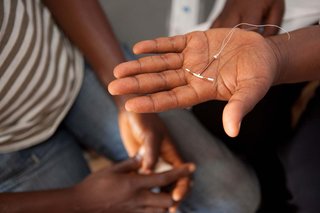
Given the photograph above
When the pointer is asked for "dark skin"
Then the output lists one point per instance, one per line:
(98, 43)
(249, 65)
(114, 189)
(253, 12)
(87, 27)
(94, 36)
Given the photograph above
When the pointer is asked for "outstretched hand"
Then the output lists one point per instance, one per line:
(242, 74)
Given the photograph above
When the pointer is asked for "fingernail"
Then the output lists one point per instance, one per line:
(128, 108)
(192, 167)
(138, 158)
(140, 154)
(172, 210)
(141, 151)
(176, 197)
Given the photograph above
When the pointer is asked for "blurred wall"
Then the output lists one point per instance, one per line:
(135, 20)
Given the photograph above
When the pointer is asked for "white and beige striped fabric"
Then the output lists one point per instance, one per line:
(40, 74)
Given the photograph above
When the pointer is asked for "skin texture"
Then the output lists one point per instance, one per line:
(166, 150)
(87, 27)
(172, 87)
(235, 11)
(115, 189)
(96, 40)
(253, 12)
(247, 67)
(128, 194)
(103, 54)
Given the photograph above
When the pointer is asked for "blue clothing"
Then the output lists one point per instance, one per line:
(222, 183)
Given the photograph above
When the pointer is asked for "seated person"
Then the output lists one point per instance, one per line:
(52, 105)
(201, 66)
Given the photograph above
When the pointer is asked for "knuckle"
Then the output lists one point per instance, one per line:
(163, 180)
(131, 184)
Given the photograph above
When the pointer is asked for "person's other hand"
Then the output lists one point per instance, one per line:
(242, 74)
(253, 12)
(145, 130)
(119, 189)
(149, 131)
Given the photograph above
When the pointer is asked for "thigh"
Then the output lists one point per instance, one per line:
(222, 182)
(302, 161)
(93, 119)
(55, 163)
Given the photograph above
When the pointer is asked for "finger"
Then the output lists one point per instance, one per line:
(238, 106)
(162, 200)
(274, 17)
(174, 208)
(169, 153)
(151, 210)
(128, 139)
(148, 83)
(149, 64)
(132, 164)
(181, 188)
(165, 178)
(161, 45)
(179, 97)
(157, 102)
(132, 146)
(152, 145)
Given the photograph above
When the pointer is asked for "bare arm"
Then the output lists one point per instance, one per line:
(247, 68)
(115, 189)
(251, 11)
(44, 201)
(298, 57)
(87, 26)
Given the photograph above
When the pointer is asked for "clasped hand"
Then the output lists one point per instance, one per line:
(120, 189)
(148, 131)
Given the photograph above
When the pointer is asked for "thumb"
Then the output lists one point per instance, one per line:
(130, 165)
(238, 106)
(166, 178)
(232, 117)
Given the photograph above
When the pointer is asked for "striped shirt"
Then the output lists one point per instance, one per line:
(40, 74)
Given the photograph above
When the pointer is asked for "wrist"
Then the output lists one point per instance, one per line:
(280, 57)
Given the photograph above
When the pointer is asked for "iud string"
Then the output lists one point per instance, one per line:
(224, 43)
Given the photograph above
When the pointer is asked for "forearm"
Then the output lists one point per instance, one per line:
(45, 201)
(298, 57)
(86, 25)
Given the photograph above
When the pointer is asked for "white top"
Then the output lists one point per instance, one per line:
(298, 14)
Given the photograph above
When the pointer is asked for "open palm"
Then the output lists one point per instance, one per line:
(242, 73)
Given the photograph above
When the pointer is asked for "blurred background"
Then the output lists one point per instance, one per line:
(137, 20)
